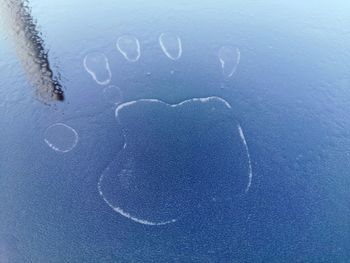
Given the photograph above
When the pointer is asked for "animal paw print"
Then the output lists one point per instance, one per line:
(176, 158)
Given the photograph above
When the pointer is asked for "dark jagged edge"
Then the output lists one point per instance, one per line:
(25, 24)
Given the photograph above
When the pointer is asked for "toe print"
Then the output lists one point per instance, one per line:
(229, 58)
(129, 47)
(61, 138)
(112, 94)
(171, 45)
(97, 65)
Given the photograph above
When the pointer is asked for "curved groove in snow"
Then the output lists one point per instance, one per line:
(250, 173)
(202, 100)
(165, 49)
(128, 215)
(93, 74)
(124, 52)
